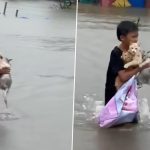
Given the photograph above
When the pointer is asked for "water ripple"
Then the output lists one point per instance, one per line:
(57, 76)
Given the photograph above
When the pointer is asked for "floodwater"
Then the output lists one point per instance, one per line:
(96, 37)
(41, 43)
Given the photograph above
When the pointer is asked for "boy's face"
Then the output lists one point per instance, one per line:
(131, 37)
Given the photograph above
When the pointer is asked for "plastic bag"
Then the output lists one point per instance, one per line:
(122, 108)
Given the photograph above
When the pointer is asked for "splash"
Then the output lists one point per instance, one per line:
(8, 114)
(88, 110)
(144, 111)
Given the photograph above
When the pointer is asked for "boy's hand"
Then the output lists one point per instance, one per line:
(5, 71)
(146, 66)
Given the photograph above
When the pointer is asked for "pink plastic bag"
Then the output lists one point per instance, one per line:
(122, 108)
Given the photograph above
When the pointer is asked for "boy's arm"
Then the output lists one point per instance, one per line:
(125, 75)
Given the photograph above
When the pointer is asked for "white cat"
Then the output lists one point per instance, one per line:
(133, 57)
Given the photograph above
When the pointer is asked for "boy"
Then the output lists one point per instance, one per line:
(127, 32)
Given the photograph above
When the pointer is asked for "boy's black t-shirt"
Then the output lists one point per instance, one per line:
(115, 65)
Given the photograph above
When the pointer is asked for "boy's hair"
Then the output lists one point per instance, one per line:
(126, 27)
